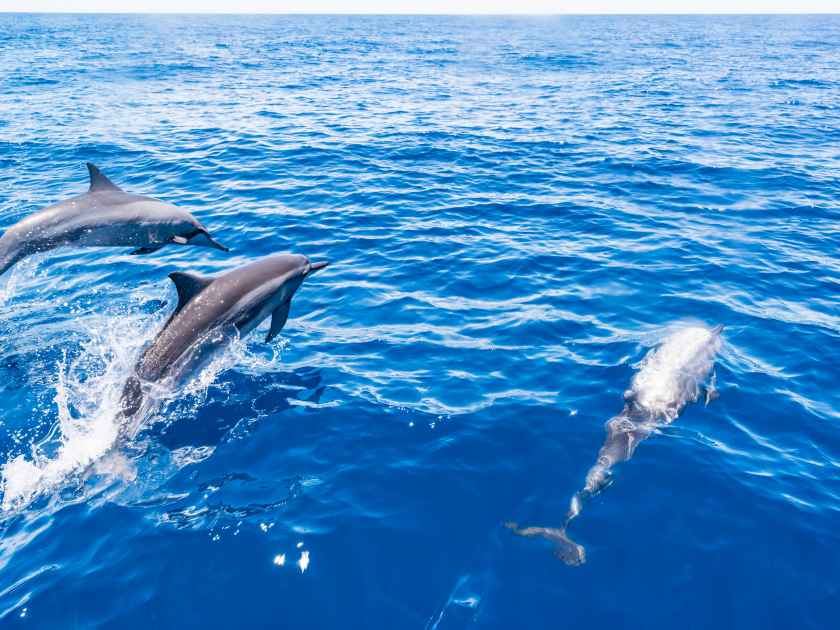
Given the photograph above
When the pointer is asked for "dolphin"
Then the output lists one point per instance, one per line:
(105, 215)
(670, 377)
(211, 311)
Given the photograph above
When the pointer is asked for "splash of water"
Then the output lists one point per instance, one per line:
(87, 391)
(87, 399)
(22, 272)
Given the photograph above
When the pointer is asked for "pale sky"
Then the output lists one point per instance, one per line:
(425, 6)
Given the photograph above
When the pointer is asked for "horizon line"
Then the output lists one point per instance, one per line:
(434, 14)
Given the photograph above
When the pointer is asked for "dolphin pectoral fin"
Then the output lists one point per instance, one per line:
(278, 320)
(711, 394)
(188, 286)
(145, 250)
(568, 550)
(98, 181)
(711, 389)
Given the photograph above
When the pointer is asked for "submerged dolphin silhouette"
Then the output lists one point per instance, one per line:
(210, 311)
(103, 216)
(670, 377)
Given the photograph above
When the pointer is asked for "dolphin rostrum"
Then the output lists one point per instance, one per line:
(211, 311)
(105, 215)
(670, 376)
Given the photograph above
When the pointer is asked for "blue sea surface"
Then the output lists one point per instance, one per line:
(516, 210)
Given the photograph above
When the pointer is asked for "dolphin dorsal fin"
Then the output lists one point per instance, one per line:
(98, 181)
(188, 286)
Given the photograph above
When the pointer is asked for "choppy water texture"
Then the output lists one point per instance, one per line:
(516, 210)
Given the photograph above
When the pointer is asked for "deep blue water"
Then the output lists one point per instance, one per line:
(516, 211)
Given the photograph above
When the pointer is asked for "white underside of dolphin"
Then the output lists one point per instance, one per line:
(106, 216)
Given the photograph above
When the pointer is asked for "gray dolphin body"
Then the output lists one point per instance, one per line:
(670, 377)
(210, 311)
(103, 216)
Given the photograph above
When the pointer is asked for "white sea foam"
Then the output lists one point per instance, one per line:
(671, 375)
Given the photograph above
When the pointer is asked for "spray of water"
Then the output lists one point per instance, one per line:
(87, 402)
(87, 390)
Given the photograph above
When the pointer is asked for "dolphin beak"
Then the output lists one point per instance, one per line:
(313, 267)
(217, 244)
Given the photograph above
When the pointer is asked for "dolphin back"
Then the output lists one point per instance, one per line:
(672, 375)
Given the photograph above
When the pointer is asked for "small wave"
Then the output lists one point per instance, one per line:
(558, 61)
(799, 83)
(32, 81)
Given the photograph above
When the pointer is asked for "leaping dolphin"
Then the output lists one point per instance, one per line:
(210, 312)
(670, 376)
(105, 215)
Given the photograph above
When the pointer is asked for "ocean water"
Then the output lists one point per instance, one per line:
(517, 211)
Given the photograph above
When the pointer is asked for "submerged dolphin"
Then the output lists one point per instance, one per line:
(210, 311)
(670, 377)
(103, 216)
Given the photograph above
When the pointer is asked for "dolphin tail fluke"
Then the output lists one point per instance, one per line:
(568, 550)
(565, 548)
